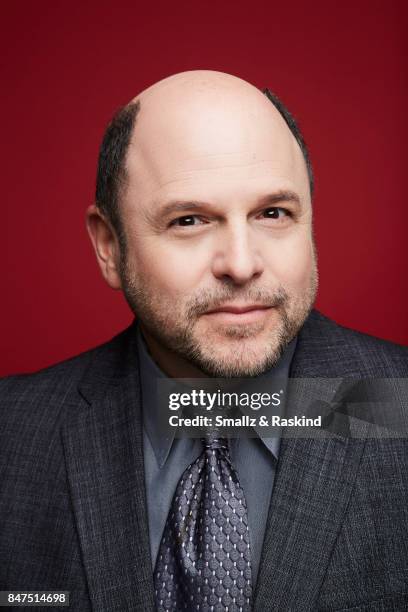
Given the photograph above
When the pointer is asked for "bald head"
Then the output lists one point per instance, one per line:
(188, 117)
(202, 113)
(195, 82)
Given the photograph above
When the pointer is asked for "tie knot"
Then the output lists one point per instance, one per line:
(213, 440)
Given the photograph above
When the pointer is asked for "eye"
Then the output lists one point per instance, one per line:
(187, 221)
(275, 212)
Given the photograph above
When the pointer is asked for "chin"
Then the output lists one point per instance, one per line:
(234, 369)
(238, 357)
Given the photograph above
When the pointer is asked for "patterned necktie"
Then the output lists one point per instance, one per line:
(204, 559)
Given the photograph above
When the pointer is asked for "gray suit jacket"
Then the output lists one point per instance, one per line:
(72, 495)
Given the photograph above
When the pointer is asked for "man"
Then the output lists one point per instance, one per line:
(203, 218)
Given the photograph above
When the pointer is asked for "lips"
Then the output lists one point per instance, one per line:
(236, 309)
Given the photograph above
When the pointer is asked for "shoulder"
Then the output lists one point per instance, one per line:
(48, 395)
(35, 409)
(345, 351)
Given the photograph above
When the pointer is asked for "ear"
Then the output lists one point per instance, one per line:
(105, 244)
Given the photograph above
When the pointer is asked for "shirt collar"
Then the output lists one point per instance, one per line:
(150, 372)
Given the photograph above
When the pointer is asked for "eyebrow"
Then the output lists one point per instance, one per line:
(267, 200)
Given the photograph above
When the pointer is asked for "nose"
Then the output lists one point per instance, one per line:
(237, 257)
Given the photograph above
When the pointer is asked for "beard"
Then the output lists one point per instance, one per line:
(220, 350)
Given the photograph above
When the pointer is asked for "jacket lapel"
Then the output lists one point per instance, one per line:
(313, 483)
(104, 457)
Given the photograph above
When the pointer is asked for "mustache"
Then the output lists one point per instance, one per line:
(210, 300)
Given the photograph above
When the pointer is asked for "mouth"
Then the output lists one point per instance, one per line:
(237, 308)
(239, 313)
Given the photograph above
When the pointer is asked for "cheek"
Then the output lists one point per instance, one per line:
(173, 270)
(292, 261)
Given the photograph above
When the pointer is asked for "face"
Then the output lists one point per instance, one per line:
(219, 265)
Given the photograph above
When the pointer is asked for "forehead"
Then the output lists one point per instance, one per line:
(211, 141)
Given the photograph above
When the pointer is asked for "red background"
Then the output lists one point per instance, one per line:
(339, 66)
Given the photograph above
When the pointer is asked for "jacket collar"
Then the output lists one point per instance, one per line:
(104, 458)
(313, 482)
